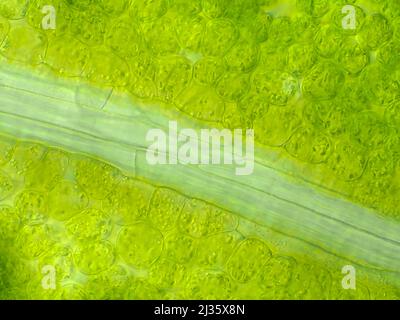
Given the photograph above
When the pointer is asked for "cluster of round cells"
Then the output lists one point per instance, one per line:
(109, 236)
(326, 96)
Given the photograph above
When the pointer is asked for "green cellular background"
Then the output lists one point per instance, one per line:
(77, 195)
